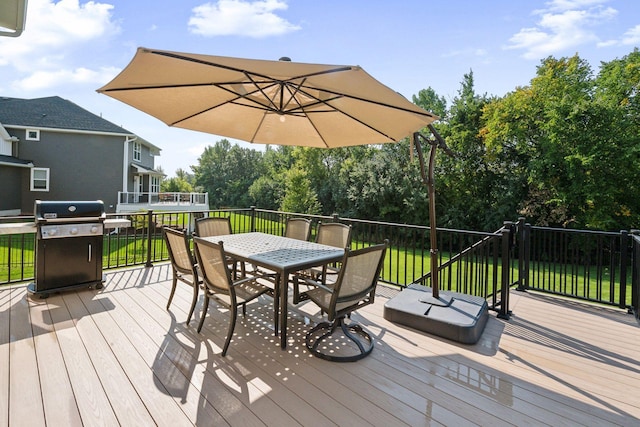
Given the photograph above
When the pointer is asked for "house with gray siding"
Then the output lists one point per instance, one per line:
(53, 149)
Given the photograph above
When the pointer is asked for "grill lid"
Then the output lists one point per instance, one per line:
(68, 210)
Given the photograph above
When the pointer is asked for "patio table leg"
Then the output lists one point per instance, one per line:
(276, 305)
(284, 277)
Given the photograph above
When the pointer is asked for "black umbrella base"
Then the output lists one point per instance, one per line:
(452, 315)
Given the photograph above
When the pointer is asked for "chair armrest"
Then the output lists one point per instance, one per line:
(243, 280)
(317, 284)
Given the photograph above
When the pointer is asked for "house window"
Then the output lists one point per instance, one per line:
(155, 184)
(33, 135)
(39, 179)
(137, 151)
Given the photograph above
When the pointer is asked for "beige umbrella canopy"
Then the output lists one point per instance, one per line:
(267, 102)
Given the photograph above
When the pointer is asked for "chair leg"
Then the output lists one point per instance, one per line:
(243, 269)
(173, 290)
(204, 311)
(233, 312)
(193, 302)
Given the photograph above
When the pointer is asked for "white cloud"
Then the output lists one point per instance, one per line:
(44, 79)
(563, 25)
(632, 36)
(238, 17)
(561, 5)
(56, 35)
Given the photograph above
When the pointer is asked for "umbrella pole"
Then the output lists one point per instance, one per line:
(428, 178)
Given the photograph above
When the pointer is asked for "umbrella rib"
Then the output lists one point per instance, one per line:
(240, 70)
(357, 98)
(171, 86)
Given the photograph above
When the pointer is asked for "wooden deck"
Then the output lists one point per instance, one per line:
(117, 357)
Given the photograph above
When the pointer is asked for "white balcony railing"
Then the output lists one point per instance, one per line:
(131, 201)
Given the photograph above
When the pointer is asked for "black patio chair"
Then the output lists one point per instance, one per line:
(354, 289)
(183, 265)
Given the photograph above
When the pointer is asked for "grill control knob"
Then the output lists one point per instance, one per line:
(52, 232)
(73, 231)
(94, 229)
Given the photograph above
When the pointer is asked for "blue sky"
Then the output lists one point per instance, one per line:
(70, 48)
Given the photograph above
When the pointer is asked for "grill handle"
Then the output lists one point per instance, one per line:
(89, 252)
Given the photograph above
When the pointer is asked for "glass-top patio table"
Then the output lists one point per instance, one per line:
(282, 255)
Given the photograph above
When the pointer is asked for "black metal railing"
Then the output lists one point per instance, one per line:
(588, 265)
(595, 266)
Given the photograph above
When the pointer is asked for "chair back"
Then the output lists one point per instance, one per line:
(179, 250)
(298, 228)
(357, 280)
(334, 234)
(213, 265)
(213, 226)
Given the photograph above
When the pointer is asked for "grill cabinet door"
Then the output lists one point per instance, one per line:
(68, 262)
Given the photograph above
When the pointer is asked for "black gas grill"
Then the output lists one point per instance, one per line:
(69, 243)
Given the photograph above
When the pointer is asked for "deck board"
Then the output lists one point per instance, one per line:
(93, 402)
(60, 404)
(118, 357)
(24, 381)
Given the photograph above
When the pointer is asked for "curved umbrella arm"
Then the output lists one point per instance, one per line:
(428, 179)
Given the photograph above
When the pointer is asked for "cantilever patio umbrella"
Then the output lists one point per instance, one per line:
(268, 102)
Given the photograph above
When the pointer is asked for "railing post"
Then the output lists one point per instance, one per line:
(523, 250)
(624, 254)
(253, 219)
(504, 312)
(149, 222)
(635, 274)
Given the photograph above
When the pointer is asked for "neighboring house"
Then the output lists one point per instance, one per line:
(52, 149)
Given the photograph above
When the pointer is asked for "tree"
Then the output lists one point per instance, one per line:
(176, 185)
(226, 172)
(431, 101)
(572, 142)
(268, 190)
(299, 195)
(467, 186)
(616, 156)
